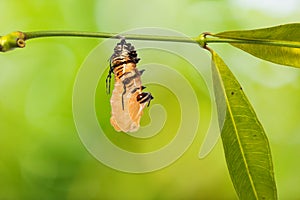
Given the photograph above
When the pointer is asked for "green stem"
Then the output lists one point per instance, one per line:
(39, 34)
(17, 39)
(202, 39)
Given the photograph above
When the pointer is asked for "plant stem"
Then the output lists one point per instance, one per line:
(17, 39)
(202, 39)
(39, 34)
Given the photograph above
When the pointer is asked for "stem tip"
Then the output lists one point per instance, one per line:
(11, 41)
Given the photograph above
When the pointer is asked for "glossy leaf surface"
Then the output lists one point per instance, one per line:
(246, 146)
(279, 44)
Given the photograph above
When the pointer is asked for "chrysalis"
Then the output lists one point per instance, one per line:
(127, 100)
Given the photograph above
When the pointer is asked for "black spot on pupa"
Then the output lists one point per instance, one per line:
(232, 93)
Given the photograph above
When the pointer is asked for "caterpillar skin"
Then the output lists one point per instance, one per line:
(128, 100)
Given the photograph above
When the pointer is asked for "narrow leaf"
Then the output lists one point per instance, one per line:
(246, 146)
(279, 44)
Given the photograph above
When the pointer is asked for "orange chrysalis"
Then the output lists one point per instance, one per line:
(127, 100)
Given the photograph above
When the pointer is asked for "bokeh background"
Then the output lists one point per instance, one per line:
(41, 155)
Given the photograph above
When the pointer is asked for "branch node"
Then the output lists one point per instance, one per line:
(201, 39)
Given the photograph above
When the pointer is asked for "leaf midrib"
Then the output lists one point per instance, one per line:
(257, 39)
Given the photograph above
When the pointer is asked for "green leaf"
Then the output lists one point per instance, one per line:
(246, 146)
(276, 44)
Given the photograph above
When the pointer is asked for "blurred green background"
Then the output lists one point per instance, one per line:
(41, 154)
